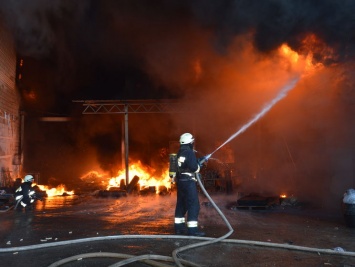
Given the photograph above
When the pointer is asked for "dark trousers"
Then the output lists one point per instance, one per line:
(187, 202)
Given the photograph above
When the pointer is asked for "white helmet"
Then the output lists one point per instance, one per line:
(186, 138)
(28, 178)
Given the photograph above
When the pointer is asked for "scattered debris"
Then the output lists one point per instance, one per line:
(289, 201)
(256, 202)
(110, 193)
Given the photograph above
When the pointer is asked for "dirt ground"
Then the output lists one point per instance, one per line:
(62, 227)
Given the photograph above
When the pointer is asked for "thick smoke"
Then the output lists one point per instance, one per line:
(221, 58)
(276, 22)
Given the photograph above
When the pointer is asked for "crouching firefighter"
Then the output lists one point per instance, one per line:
(25, 195)
(187, 194)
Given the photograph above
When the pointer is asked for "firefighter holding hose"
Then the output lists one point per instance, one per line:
(187, 195)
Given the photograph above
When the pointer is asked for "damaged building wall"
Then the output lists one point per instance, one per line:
(10, 154)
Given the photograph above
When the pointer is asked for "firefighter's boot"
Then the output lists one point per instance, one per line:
(180, 229)
(193, 231)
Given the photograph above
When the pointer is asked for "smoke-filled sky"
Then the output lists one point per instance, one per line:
(224, 58)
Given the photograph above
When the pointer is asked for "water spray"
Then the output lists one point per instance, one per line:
(280, 96)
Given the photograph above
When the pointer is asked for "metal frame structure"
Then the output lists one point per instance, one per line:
(130, 106)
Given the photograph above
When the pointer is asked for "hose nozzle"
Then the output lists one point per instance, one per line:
(203, 159)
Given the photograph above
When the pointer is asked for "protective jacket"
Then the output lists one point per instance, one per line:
(187, 163)
(25, 194)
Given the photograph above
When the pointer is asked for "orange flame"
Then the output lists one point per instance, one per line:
(57, 191)
(147, 177)
(288, 52)
(301, 62)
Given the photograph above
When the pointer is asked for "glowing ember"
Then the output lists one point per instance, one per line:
(283, 196)
(57, 191)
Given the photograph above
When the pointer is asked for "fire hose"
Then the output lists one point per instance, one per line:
(120, 237)
(175, 257)
(176, 251)
(152, 260)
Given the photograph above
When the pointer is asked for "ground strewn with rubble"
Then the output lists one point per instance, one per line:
(61, 219)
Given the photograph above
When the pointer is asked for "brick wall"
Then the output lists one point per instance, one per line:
(10, 153)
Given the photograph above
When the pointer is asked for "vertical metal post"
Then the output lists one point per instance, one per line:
(123, 161)
(22, 141)
(126, 143)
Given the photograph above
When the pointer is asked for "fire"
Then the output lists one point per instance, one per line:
(95, 177)
(312, 44)
(288, 52)
(283, 196)
(147, 177)
(312, 55)
(57, 191)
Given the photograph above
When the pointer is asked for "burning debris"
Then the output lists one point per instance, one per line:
(133, 187)
(47, 191)
(143, 177)
(40, 192)
(145, 180)
(255, 201)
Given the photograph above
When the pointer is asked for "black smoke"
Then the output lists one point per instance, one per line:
(276, 22)
(128, 49)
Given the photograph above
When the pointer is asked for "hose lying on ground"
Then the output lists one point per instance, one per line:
(149, 259)
(122, 256)
(205, 243)
(160, 237)
(176, 251)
